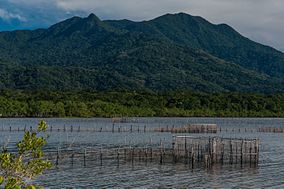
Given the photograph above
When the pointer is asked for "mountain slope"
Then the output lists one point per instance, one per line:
(219, 40)
(172, 52)
(223, 42)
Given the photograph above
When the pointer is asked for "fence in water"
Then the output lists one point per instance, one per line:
(217, 150)
(120, 128)
(271, 130)
(184, 149)
(194, 128)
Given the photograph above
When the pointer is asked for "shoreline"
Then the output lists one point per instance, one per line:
(144, 117)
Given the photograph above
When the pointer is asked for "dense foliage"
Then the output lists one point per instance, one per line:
(172, 52)
(17, 169)
(111, 104)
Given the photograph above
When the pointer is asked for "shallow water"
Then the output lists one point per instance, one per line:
(268, 174)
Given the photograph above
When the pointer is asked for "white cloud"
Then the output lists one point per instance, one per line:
(5, 15)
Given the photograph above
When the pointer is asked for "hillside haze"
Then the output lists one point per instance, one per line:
(171, 52)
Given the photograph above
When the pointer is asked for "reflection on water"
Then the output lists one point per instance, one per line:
(268, 174)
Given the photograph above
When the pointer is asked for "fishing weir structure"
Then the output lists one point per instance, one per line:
(194, 151)
(216, 150)
(193, 128)
(271, 130)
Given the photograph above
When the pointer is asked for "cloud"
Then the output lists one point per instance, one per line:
(120, 9)
(7, 16)
(37, 13)
(260, 20)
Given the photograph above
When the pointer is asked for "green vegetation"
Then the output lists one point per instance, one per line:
(172, 52)
(111, 104)
(17, 169)
(229, 74)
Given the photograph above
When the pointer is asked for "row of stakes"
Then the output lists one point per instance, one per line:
(131, 129)
(72, 129)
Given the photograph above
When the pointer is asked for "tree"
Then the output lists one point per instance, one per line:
(17, 169)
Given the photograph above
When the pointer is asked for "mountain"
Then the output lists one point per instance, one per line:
(171, 52)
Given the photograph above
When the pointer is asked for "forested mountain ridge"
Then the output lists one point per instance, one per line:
(171, 52)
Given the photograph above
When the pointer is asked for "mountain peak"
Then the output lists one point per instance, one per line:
(92, 16)
(180, 14)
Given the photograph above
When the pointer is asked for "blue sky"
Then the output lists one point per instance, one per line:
(260, 20)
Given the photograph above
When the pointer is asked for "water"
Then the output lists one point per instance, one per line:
(269, 174)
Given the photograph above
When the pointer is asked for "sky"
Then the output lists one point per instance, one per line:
(259, 20)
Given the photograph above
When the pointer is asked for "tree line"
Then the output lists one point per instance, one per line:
(17, 103)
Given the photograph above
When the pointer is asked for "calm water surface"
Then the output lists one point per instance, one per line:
(269, 174)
